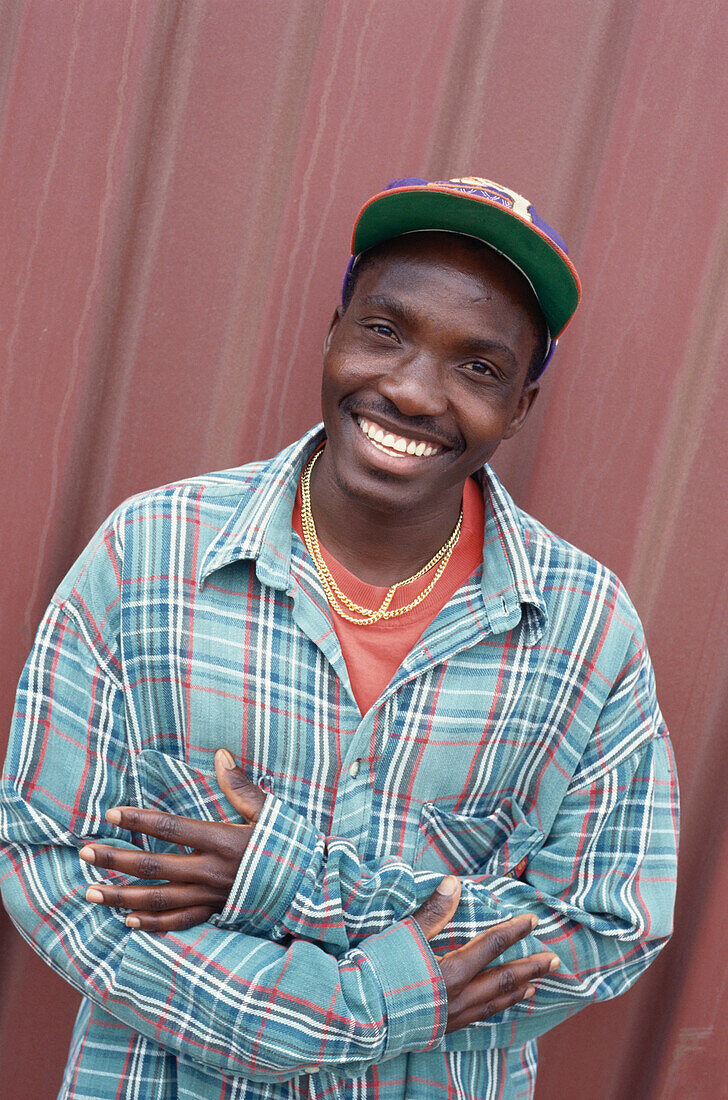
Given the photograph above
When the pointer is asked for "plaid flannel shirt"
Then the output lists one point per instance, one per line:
(519, 745)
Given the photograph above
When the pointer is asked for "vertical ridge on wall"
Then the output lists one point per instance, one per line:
(152, 161)
(695, 394)
(460, 120)
(272, 183)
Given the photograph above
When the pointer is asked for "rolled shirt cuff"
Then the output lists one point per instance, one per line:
(414, 989)
(282, 847)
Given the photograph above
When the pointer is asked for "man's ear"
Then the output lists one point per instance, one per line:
(334, 324)
(529, 393)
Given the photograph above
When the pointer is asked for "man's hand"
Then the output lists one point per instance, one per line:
(476, 990)
(194, 886)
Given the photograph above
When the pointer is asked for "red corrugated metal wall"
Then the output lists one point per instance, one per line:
(177, 186)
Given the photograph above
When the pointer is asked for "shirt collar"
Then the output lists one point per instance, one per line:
(508, 586)
(260, 528)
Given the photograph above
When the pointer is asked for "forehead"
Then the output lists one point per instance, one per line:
(408, 258)
(436, 268)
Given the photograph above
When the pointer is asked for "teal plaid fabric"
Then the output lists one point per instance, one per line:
(519, 745)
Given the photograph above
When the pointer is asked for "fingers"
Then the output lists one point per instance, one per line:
(496, 988)
(186, 831)
(158, 898)
(437, 912)
(243, 795)
(172, 921)
(465, 962)
(457, 1020)
(205, 869)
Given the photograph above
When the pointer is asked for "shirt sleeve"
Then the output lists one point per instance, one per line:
(230, 1000)
(602, 882)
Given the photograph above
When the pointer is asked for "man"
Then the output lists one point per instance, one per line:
(441, 814)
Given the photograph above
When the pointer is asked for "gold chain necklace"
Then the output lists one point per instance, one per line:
(335, 596)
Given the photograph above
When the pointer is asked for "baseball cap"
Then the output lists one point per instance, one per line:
(490, 212)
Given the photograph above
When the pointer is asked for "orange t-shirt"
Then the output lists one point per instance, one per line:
(374, 653)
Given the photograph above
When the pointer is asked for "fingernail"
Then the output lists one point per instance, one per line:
(88, 854)
(92, 894)
(534, 922)
(448, 886)
(114, 816)
(555, 963)
(226, 759)
(133, 922)
(529, 993)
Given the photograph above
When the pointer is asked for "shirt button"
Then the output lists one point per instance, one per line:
(354, 769)
(311, 1069)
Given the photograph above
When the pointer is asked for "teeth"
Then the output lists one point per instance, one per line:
(398, 444)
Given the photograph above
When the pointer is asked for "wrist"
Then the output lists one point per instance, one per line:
(279, 852)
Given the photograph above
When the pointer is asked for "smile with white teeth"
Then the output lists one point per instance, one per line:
(396, 445)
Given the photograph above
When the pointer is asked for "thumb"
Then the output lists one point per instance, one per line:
(243, 795)
(439, 909)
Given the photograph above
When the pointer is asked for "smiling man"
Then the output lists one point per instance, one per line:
(338, 774)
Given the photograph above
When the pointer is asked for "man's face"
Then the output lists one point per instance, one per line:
(424, 372)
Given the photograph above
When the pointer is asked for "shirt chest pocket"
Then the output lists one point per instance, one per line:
(174, 787)
(498, 844)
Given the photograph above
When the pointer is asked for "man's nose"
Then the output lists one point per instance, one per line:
(415, 385)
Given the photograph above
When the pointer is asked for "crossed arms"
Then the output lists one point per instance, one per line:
(197, 885)
(600, 886)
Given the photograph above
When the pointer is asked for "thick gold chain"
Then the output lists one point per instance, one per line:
(335, 596)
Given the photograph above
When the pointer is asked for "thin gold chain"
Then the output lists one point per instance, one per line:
(333, 593)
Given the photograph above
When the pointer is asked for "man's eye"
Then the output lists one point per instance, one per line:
(382, 330)
(479, 367)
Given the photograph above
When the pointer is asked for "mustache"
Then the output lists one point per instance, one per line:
(407, 425)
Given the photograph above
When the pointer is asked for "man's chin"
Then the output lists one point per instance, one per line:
(390, 493)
